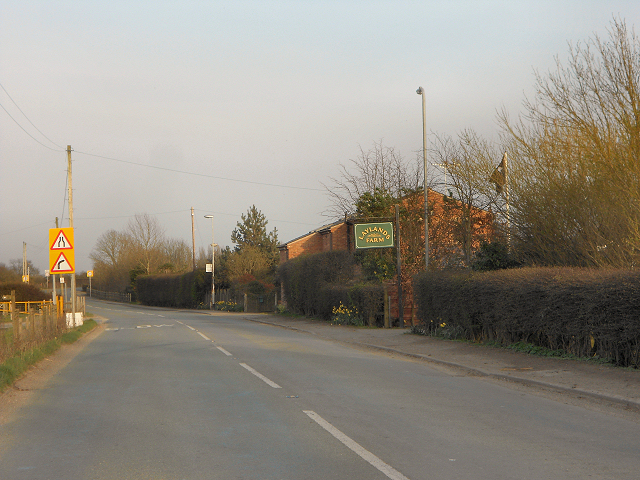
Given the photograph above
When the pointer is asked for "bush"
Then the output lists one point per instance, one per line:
(229, 306)
(581, 311)
(493, 256)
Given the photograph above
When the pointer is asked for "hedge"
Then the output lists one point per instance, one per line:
(24, 292)
(584, 312)
(314, 284)
(186, 290)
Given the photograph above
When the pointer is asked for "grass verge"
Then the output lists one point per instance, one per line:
(522, 347)
(12, 368)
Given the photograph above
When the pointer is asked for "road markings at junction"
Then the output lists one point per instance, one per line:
(358, 449)
(115, 329)
(260, 376)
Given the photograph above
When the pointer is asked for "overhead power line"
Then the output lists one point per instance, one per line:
(155, 167)
(59, 148)
(32, 124)
(23, 129)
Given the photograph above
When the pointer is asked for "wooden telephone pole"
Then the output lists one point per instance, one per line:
(73, 275)
(193, 239)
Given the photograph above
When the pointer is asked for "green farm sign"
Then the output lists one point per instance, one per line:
(374, 235)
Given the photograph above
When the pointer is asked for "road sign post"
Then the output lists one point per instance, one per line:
(90, 275)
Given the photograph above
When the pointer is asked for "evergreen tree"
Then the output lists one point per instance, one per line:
(251, 233)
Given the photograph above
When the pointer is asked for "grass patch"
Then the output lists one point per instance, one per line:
(12, 368)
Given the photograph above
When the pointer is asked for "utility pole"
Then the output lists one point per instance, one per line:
(73, 275)
(193, 239)
(53, 277)
(421, 92)
(399, 268)
(25, 272)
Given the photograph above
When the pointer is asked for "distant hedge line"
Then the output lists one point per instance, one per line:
(178, 291)
(24, 292)
(314, 284)
(583, 312)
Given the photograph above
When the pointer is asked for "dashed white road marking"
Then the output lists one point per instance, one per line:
(204, 336)
(224, 351)
(260, 376)
(189, 327)
(358, 449)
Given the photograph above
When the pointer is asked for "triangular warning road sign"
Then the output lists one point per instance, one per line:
(62, 265)
(61, 241)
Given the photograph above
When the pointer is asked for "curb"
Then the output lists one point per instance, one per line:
(573, 392)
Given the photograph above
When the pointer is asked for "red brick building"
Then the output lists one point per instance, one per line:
(335, 236)
(447, 237)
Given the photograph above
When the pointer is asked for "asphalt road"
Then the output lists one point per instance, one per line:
(164, 394)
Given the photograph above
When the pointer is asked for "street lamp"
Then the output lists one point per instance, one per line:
(213, 260)
(420, 91)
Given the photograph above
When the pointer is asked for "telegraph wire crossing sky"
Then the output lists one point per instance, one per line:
(222, 105)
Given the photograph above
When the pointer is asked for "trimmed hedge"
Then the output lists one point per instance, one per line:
(314, 284)
(186, 290)
(581, 311)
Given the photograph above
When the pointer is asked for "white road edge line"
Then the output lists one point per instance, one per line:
(204, 336)
(224, 351)
(359, 450)
(260, 376)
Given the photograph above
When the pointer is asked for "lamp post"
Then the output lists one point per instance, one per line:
(420, 91)
(213, 260)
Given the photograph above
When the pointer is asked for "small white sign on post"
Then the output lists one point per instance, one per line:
(209, 267)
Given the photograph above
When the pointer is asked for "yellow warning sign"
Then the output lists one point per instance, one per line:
(62, 239)
(61, 253)
(62, 264)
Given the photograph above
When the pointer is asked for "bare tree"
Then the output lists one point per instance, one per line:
(177, 254)
(462, 220)
(379, 169)
(112, 259)
(111, 248)
(147, 238)
(576, 198)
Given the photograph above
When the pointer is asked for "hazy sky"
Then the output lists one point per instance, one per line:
(258, 101)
